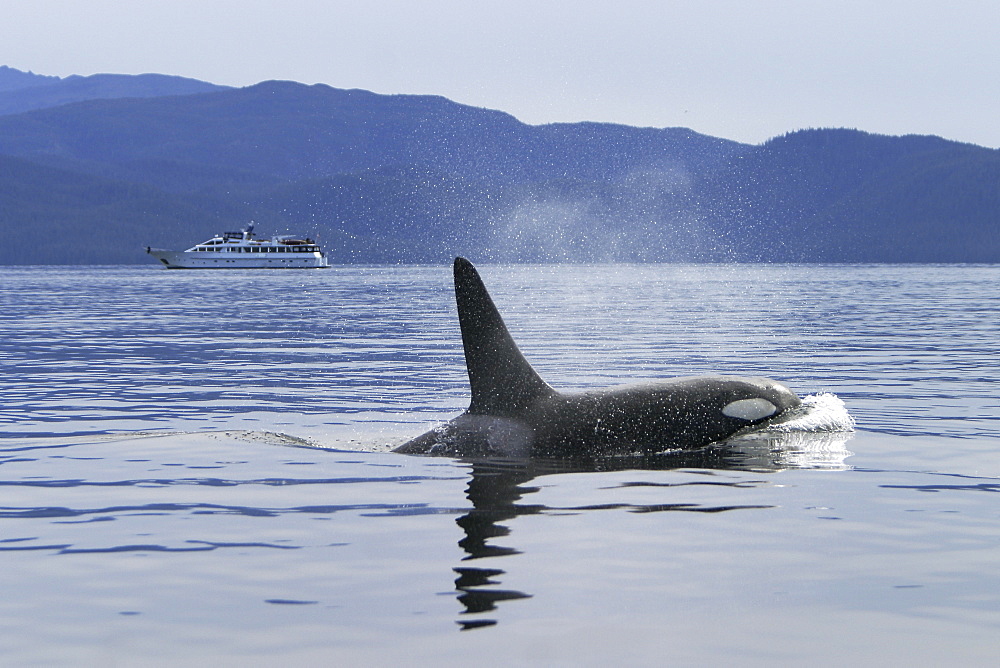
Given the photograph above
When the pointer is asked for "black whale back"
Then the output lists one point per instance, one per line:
(503, 383)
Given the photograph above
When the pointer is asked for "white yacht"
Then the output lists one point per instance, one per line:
(241, 250)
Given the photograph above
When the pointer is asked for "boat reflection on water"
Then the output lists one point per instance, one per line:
(497, 487)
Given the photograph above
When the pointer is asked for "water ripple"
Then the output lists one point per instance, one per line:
(89, 350)
(52, 512)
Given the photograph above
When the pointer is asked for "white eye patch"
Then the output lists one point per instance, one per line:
(750, 409)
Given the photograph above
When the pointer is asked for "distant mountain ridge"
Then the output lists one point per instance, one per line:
(285, 130)
(12, 79)
(403, 178)
(25, 91)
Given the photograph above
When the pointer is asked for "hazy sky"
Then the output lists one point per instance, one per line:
(745, 70)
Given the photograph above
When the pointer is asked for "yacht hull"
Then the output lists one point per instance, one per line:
(232, 260)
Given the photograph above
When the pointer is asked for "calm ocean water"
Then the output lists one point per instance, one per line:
(194, 469)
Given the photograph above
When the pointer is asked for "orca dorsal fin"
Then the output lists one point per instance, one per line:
(502, 381)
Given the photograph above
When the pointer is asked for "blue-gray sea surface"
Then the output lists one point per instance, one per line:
(194, 469)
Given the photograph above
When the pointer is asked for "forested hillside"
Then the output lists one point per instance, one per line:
(420, 179)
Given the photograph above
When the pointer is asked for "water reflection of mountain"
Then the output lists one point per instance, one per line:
(497, 487)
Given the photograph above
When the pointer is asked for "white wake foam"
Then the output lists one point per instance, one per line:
(812, 436)
(819, 413)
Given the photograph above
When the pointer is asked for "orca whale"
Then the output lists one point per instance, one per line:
(514, 413)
